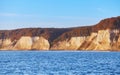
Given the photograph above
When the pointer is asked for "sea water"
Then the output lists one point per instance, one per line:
(59, 63)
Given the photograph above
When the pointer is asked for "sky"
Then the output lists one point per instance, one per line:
(16, 14)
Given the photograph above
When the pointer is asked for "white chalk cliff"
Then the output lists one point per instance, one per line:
(26, 43)
(104, 36)
(96, 41)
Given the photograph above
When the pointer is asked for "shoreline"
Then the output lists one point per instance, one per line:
(55, 51)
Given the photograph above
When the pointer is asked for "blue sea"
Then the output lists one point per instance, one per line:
(59, 63)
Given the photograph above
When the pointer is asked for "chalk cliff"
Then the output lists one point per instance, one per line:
(104, 36)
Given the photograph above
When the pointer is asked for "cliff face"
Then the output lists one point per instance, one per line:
(102, 36)
(101, 40)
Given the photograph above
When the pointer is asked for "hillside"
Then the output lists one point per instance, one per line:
(103, 36)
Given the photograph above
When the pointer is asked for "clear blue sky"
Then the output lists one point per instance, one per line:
(55, 13)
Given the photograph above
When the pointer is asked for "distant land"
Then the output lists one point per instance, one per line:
(104, 36)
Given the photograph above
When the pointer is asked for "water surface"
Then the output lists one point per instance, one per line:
(59, 63)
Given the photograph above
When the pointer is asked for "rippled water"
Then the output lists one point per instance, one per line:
(59, 63)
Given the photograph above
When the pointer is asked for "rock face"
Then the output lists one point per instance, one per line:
(23, 43)
(96, 41)
(104, 36)
(26, 43)
(40, 43)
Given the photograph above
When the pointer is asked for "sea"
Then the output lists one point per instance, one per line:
(59, 63)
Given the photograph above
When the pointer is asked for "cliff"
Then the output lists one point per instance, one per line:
(103, 36)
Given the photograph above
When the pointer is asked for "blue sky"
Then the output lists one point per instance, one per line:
(55, 13)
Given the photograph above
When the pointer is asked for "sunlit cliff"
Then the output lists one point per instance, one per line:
(104, 36)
